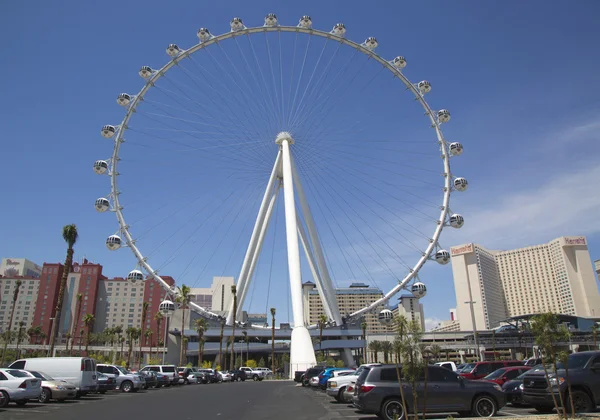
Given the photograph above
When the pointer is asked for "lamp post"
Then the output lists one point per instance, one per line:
(471, 305)
(166, 308)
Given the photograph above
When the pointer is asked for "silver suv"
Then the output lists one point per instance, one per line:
(378, 392)
(125, 380)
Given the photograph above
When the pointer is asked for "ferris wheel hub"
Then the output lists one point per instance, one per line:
(284, 135)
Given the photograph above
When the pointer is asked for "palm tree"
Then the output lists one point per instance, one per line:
(273, 311)
(32, 333)
(322, 322)
(232, 359)
(363, 326)
(375, 347)
(130, 332)
(158, 317)
(20, 335)
(387, 348)
(88, 321)
(79, 298)
(221, 343)
(245, 334)
(81, 333)
(183, 298)
(200, 325)
(148, 334)
(10, 320)
(69, 234)
(226, 351)
(145, 306)
(122, 341)
(435, 351)
(119, 330)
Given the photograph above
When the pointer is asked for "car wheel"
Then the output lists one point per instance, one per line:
(340, 396)
(45, 396)
(21, 402)
(484, 406)
(4, 399)
(582, 403)
(127, 386)
(544, 409)
(392, 409)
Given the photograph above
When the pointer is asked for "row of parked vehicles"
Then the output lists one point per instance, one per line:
(476, 389)
(61, 378)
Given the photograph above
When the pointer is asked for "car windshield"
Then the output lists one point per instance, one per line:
(575, 361)
(496, 374)
(468, 368)
(17, 373)
(42, 376)
(122, 370)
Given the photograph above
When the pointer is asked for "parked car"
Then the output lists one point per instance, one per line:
(150, 380)
(237, 375)
(310, 373)
(53, 389)
(534, 361)
(224, 376)
(584, 376)
(314, 382)
(190, 375)
(505, 374)
(254, 374)
(162, 379)
(343, 372)
(210, 374)
(170, 371)
(448, 365)
(325, 376)
(377, 392)
(18, 386)
(105, 383)
(513, 389)
(268, 372)
(298, 375)
(126, 381)
(80, 371)
(337, 386)
(479, 370)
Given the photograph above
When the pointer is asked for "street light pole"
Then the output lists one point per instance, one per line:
(471, 305)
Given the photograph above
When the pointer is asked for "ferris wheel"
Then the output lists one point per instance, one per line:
(215, 134)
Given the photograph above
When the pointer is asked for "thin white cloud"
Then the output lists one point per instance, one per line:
(432, 323)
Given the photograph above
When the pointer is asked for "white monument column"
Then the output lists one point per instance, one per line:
(302, 354)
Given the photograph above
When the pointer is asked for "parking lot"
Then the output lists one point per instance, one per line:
(346, 411)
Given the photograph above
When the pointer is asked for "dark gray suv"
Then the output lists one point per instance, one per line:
(377, 391)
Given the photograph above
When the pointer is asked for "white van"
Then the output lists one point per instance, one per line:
(80, 371)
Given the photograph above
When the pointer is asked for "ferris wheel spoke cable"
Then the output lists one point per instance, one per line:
(223, 236)
(370, 208)
(281, 75)
(170, 258)
(281, 116)
(333, 193)
(208, 237)
(259, 104)
(275, 224)
(292, 112)
(266, 99)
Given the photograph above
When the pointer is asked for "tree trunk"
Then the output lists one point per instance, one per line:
(75, 324)
(10, 321)
(199, 350)
(221, 345)
(61, 297)
(232, 361)
(181, 350)
(273, 345)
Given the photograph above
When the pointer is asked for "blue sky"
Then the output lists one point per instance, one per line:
(519, 78)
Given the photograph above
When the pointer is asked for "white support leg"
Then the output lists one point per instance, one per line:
(302, 354)
(242, 281)
(313, 267)
(261, 240)
(328, 289)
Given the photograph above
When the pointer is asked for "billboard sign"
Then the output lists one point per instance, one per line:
(462, 249)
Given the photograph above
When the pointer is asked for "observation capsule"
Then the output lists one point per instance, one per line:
(339, 29)
(424, 87)
(100, 167)
(166, 307)
(113, 242)
(457, 221)
(399, 62)
(418, 290)
(236, 24)
(443, 115)
(461, 184)
(271, 20)
(173, 50)
(102, 204)
(385, 317)
(305, 22)
(145, 72)
(203, 34)
(108, 131)
(442, 257)
(371, 43)
(123, 99)
(456, 149)
(135, 275)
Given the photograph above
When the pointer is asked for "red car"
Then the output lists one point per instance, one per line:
(479, 370)
(506, 374)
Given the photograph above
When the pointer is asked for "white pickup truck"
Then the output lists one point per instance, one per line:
(254, 374)
(336, 386)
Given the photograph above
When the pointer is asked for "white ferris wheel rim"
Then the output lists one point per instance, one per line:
(442, 221)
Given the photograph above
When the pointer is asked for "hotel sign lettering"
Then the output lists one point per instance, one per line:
(575, 240)
(460, 250)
